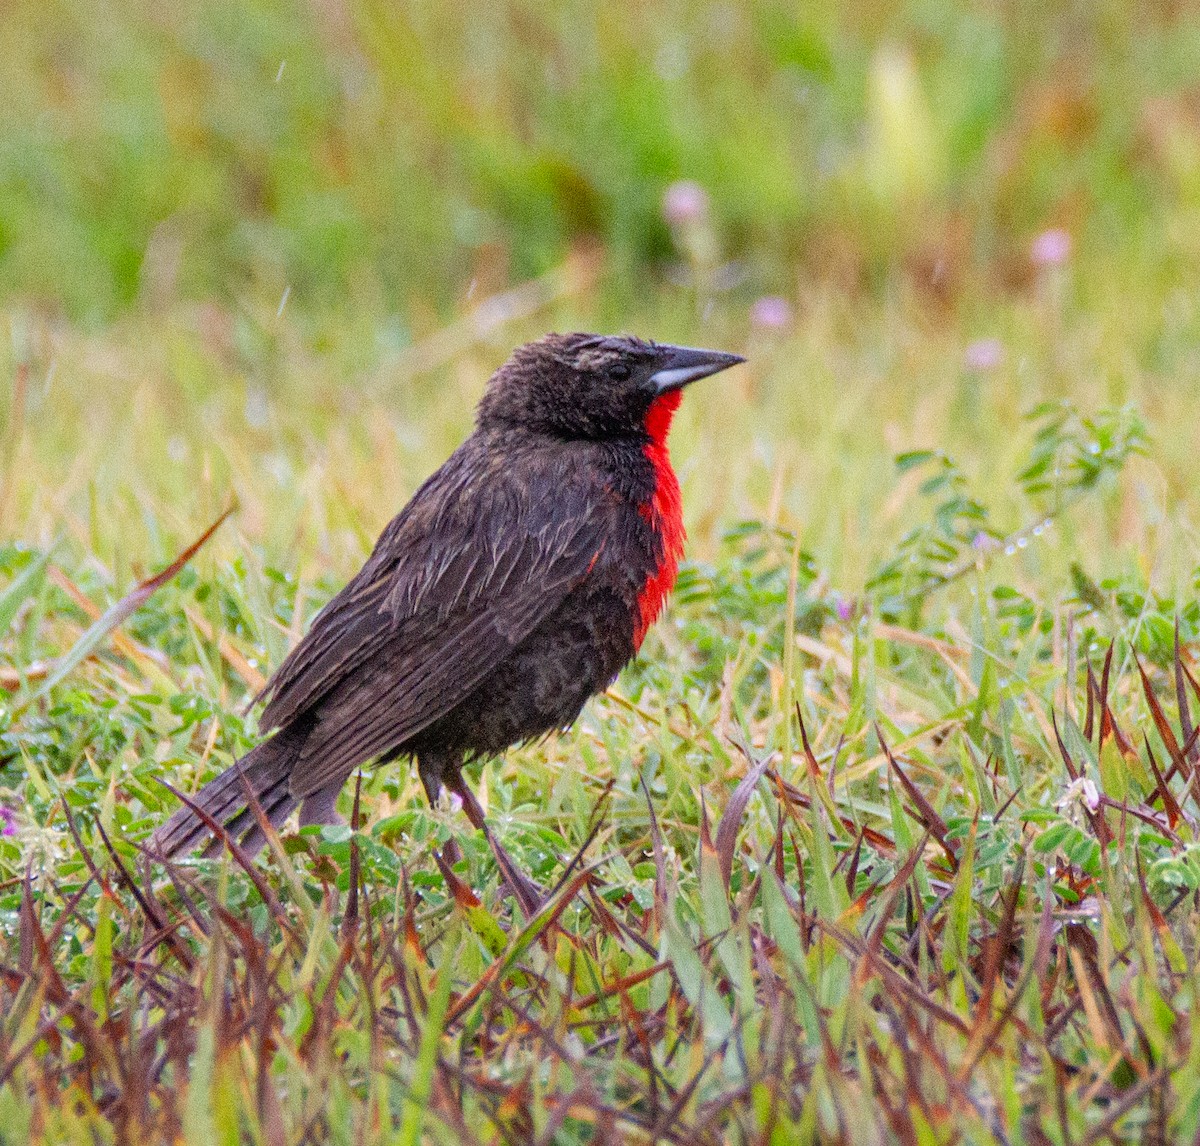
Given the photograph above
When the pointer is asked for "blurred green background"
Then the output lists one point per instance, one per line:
(382, 155)
(273, 249)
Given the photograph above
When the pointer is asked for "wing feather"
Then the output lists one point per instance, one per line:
(471, 566)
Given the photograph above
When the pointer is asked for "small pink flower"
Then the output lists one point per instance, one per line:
(843, 607)
(684, 203)
(1051, 248)
(771, 312)
(9, 819)
(983, 354)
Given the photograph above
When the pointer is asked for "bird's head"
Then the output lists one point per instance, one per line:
(593, 386)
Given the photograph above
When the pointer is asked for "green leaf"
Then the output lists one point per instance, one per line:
(22, 587)
(1048, 840)
(421, 1085)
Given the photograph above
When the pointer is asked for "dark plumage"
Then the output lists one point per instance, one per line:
(517, 582)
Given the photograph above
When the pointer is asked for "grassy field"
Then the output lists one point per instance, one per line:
(890, 835)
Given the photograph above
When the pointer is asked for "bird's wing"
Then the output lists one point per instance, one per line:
(454, 585)
(352, 627)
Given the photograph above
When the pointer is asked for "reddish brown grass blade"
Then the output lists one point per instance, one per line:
(1093, 690)
(997, 945)
(1165, 731)
(1170, 805)
(813, 767)
(1181, 700)
(930, 820)
(123, 610)
(731, 819)
(462, 895)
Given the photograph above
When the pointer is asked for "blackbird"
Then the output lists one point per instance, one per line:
(518, 581)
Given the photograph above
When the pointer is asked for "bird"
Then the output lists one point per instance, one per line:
(520, 579)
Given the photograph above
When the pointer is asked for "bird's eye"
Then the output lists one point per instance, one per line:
(618, 371)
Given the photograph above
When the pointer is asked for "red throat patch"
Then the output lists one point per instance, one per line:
(664, 512)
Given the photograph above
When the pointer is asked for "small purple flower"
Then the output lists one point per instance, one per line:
(983, 354)
(843, 607)
(1051, 248)
(685, 203)
(9, 819)
(982, 542)
(771, 312)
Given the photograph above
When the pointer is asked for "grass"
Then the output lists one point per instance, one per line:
(890, 834)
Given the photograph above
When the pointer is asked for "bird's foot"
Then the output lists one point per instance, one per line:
(527, 893)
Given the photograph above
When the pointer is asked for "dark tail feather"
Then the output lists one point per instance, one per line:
(277, 804)
(267, 770)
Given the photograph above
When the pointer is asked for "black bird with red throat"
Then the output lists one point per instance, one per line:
(517, 583)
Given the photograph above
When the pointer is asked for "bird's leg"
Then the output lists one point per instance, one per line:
(444, 773)
(527, 893)
(431, 768)
(470, 806)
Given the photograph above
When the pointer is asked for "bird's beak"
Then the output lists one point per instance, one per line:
(679, 365)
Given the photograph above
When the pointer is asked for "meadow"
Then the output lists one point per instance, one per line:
(890, 832)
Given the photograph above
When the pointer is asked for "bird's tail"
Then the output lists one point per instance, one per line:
(264, 772)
